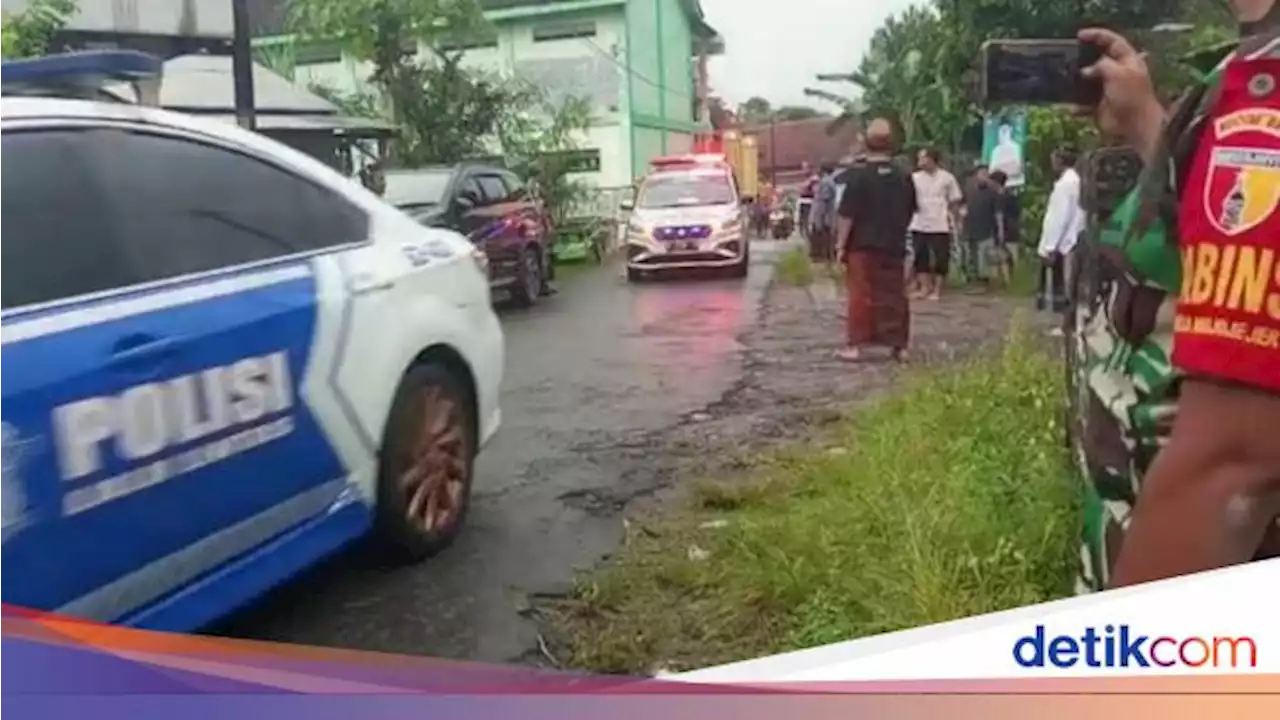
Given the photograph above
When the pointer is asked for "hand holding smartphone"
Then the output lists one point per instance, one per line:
(1039, 72)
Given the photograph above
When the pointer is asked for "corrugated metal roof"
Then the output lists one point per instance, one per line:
(205, 83)
(814, 141)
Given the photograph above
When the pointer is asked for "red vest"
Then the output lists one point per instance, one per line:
(1228, 317)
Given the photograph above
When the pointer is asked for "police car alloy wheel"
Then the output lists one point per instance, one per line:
(424, 484)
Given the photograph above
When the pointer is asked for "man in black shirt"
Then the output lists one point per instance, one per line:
(983, 223)
(1006, 219)
(875, 210)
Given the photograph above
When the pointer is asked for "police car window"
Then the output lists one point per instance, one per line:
(60, 244)
(186, 207)
(494, 190)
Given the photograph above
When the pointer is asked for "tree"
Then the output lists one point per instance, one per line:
(445, 112)
(719, 114)
(538, 138)
(755, 111)
(28, 33)
(795, 112)
(921, 66)
(388, 34)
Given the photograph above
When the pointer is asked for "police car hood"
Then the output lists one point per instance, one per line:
(685, 215)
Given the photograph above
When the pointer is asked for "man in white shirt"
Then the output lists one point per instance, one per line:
(1063, 222)
(938, 197)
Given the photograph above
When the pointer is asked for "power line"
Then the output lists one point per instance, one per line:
(610, 57)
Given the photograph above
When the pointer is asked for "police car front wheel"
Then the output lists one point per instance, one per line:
(424, 483)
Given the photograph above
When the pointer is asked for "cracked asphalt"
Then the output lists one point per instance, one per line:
(594, 375)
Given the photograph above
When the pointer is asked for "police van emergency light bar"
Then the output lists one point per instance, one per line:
(696, 160)
(90, 75)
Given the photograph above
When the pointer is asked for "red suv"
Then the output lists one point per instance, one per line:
(492, 207)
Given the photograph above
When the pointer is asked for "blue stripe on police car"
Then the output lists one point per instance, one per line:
(152, 422)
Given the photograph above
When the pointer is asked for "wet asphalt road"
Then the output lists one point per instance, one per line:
(596, 363)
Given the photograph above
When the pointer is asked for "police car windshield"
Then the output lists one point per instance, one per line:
(416, 189)
(678, 190)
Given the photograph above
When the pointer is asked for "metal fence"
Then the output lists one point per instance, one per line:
(605, 205)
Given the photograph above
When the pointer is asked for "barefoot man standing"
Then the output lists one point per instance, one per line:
(875, 211)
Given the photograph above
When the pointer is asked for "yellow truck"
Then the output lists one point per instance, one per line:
(743, 155)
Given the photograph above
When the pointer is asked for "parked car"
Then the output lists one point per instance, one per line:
(223, 361)
(492, 207)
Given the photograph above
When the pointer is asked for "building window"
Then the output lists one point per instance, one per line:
(564, 31)
(485, 39)
(318, 52)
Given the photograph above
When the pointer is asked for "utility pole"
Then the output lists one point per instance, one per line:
(242, 64)
(773, 152)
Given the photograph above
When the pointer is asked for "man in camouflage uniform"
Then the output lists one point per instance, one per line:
(1187, 366)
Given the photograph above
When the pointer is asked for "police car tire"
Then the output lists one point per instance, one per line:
(400, 539)
(520, 293)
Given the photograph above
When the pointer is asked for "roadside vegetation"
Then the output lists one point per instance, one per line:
(795, 268)
(949, 499)
(27, 33)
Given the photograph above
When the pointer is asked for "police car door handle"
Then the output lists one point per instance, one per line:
(141, 348)
(366, 284)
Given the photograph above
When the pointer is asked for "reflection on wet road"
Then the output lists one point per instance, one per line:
(601, 359)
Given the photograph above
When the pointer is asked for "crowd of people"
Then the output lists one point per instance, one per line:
(975, 223)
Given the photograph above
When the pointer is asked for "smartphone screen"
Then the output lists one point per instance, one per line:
(1038, 72)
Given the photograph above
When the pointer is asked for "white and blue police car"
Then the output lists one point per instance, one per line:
(222, 361)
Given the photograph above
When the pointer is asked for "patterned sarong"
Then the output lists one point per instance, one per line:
(878, 310)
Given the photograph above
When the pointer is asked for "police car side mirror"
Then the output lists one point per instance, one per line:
(627, 205)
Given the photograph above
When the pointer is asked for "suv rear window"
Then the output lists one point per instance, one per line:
(417, 189)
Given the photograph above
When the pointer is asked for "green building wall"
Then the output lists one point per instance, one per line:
(661, 87)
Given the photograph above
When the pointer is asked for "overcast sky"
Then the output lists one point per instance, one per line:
(822, 36)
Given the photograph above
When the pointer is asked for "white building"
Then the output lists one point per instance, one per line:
(638, 61)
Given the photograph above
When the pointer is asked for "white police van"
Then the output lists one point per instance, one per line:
(222, 361)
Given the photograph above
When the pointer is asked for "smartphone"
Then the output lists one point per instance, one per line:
(1039, 72)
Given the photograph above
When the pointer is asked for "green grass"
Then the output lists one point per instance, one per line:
(795, 267)
(948, 499)
(1026, 274)
(568, 270)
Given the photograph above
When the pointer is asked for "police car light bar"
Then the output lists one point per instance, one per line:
(84, 75)
(694, 160)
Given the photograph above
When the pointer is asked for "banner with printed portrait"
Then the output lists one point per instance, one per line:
(1004, 144)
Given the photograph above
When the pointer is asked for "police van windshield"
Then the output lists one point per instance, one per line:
(678, 190)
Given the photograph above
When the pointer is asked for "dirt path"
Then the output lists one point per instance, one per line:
(791, 384)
